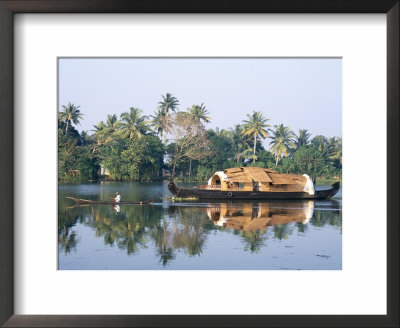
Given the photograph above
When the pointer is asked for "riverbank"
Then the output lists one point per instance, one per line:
(76, 180)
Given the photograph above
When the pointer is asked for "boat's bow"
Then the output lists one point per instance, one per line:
(328, 193)
(173, 188)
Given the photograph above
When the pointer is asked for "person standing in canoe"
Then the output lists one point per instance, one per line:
(117, 197)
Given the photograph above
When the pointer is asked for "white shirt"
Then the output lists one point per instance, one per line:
(117, 198)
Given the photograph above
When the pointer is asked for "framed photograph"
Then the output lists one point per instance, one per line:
(231, 152)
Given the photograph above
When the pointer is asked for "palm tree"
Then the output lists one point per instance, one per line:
(222, 133)
(248, 153)
(70, 114)
(335, 149)
(133, 124)
(85, 137)
(239, 144)
(320, 143)
(169, 102)
(68, 154)
(199, 113)
(282, 140)
(110, 127)
(99, 127)
(158, 122)
(303, 139)
(112, 122)
(256, 126)
(99, 132)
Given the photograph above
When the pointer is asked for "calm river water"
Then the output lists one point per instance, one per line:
(197, 235)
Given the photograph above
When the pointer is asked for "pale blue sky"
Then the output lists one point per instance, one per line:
(300, 93)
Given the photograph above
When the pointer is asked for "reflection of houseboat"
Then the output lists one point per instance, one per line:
(255, 183)
(250, 217)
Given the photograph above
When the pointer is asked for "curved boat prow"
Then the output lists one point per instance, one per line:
(334, 190)
(173, 188)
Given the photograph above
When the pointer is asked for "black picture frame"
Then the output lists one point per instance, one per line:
(10, 7)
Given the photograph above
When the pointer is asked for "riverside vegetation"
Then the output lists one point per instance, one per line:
(135, 147)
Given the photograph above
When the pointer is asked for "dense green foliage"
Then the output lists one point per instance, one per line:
(174, 143)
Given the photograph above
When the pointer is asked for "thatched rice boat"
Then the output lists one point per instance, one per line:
(255, 183)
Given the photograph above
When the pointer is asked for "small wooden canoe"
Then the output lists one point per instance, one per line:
(94, 202)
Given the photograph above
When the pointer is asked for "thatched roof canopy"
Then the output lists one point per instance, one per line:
(259, 174)
(240, 178)
(247, 174)
(288, 179)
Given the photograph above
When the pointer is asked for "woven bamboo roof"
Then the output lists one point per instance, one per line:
(233, 170)
(259, 174)
(248, 174)
(287, 178)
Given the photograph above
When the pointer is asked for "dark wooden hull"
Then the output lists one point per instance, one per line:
(94, 202)
(265, 195)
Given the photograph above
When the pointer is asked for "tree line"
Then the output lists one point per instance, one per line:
(137, 147)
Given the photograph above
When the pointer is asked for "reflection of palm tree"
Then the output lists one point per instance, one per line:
(182, 228)
(282, 140)
(282, 231)
(162, 239)
(255, 126)
(130, 244)
(165, 254)
(108, 238)
(67, 240)
(301, 227)
(255, 240)
(196, 248)
(127, 229)
(190, 238)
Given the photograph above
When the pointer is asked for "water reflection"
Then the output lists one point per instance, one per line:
(169, 229)
(251, 217)
(117, 208)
